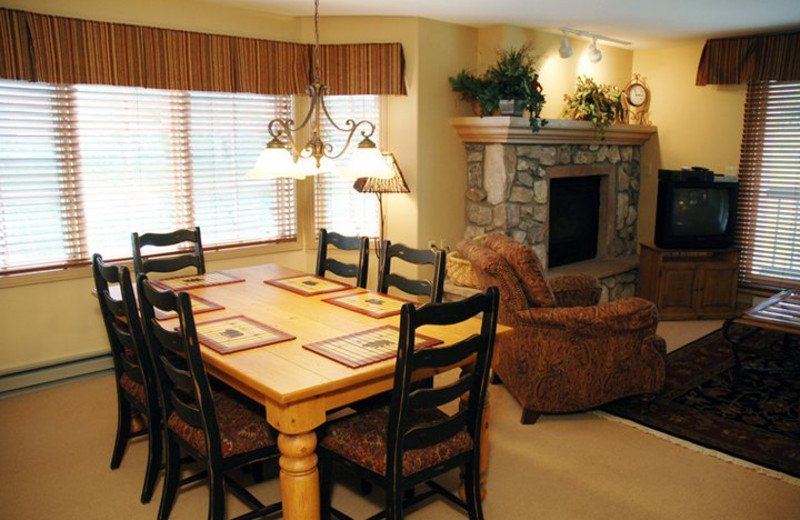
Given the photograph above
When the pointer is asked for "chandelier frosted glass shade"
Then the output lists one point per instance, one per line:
(275, 162)
(367, 161)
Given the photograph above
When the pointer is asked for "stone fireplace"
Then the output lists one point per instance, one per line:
(510, 169)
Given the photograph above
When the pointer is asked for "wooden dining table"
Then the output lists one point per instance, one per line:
(298, 386)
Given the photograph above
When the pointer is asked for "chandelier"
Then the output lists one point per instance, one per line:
(284, 157)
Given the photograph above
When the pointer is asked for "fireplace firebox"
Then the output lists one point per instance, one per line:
(574, 214)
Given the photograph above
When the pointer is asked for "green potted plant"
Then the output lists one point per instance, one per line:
(510, 85)
(598, 103)
(476, 90)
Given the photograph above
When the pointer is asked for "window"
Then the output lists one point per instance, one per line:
(338, 207)
(769, 186)
(83, 166)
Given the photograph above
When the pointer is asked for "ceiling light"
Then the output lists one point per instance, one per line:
(284, 157)
(565, 51)
(594, 53)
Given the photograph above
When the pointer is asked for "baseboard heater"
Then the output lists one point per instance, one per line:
(33, 377)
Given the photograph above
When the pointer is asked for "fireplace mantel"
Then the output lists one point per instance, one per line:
(516, 130)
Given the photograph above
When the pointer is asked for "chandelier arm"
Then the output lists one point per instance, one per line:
(284, 127)
(351, 130)
(313, 91)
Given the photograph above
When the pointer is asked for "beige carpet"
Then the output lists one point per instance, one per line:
(55, 447)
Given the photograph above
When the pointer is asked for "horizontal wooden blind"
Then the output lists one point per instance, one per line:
(83, 166)
(769, 196)
(338, 207)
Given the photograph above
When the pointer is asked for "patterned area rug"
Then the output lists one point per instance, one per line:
(752, 414)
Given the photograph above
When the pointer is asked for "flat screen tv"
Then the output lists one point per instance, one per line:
(696, 214)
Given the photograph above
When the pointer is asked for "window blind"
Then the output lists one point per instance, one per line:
(83, 166)
(769, 186)
(338, 207)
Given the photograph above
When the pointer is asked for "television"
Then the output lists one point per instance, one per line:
(696, 214)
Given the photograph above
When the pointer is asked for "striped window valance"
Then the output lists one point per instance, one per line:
(762, 57)
(350, 69)
(59, 50)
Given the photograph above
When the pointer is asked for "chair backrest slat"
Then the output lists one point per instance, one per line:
(447, 356)
(174, 261)
(427, 398)
(359, 271)
(190, 413)
(342, 269)
(433, 288)
(430, 434)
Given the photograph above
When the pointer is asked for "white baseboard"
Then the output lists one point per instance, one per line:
(53, 373)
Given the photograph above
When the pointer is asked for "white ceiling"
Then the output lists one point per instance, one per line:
(643, 22)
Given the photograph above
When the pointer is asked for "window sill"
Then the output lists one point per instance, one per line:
(75, 273)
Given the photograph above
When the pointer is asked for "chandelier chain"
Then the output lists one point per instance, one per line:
(317, 67)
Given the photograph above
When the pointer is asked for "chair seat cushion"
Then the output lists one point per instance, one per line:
(242, 426)
(132, 387)
(362, 438)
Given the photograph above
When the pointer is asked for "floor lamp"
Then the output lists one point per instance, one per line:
(379, 186)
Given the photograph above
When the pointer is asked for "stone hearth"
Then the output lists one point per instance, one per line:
(509, 170)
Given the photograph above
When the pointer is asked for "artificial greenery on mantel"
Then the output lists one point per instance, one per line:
(595, 102)
(512, 78)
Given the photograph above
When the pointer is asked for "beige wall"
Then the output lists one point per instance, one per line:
(697, 126)
(56, 321)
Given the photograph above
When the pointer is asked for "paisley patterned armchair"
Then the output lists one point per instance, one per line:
(568, 352)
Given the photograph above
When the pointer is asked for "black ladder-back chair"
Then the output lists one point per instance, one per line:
(358, 271)
(134, 373)
(179, 260)
(421, 441)
(433, 288)
(221, 429)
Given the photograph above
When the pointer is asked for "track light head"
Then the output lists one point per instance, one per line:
(595, 55)
(565, 51)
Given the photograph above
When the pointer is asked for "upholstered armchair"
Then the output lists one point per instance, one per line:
(567, 352)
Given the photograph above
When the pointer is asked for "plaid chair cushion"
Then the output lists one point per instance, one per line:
(242, 426)
(361, 438)
(132, 387)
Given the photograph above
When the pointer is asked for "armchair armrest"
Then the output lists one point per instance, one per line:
(575, 290)
(618, 317)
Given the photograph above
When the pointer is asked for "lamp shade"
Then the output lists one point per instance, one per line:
(274, 162)
(308, 166)
(394, 184)
(367, 161)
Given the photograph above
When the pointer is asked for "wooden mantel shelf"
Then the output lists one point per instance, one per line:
(516, 130)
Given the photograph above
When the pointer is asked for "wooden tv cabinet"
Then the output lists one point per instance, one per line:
(689, 284)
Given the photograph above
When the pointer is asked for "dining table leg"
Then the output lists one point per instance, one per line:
(299, 475)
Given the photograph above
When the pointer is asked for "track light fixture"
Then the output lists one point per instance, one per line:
(595, 55)
(565, 51)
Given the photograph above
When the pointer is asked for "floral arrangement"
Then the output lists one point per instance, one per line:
(598, 103)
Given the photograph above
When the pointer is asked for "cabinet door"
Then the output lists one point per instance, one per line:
(676, 297)
(716, 284)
